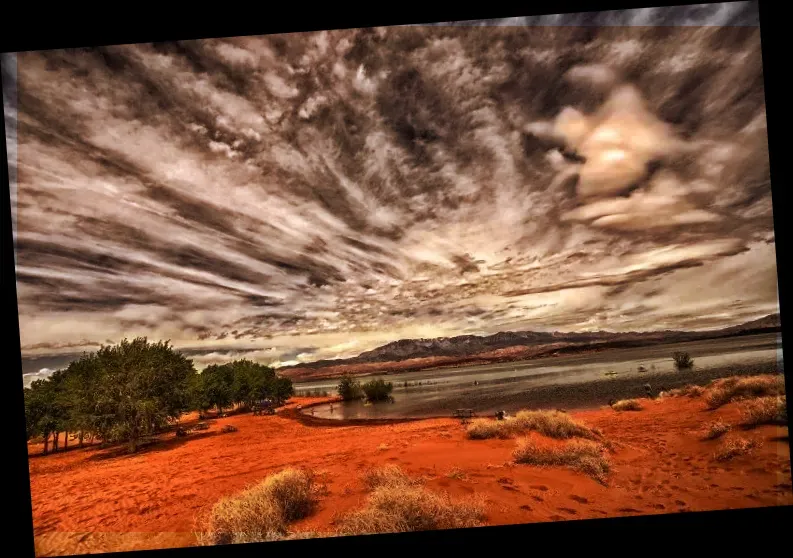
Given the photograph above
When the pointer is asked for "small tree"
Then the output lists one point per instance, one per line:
(378, 390)
(683, 361)
(143, 386)
(349, 389)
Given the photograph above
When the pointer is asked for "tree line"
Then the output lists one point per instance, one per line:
(126, 392)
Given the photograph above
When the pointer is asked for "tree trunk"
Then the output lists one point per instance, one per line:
(220, 410)
(46, 442)
(65, 441)
(133, 447)
(80, 438)
(55, 437)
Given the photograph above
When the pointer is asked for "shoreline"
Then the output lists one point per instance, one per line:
(584, 396)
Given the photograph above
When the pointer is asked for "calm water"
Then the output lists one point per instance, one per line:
(503, 379)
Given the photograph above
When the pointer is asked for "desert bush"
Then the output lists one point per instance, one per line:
(349, 389)
(627, 405)
(457, 474)
(764, 410)
(228, 428)
(726, 390)
(683, 361)
(377, 390)
(554, 424)
(581, 455)
(716, 429)
(482, 429)
(400, 509)
(735, 447)
(685, 391)
(388, 475)
(259, 513)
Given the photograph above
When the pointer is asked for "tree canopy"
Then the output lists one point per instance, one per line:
(134, 389)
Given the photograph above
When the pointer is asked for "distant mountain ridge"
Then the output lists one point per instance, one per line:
(468, 346)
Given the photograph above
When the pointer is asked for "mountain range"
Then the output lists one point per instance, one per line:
(415, 354)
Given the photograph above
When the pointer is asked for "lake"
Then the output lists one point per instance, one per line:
(569, 380)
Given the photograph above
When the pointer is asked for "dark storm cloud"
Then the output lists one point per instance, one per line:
(313, 195)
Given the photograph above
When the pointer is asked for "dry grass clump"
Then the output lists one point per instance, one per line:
(627, 405)
(734, 448)
(483, 429)
(716, 429)
(457, 473)
(764, 410)
(726, 390)
(387, 476)
(400, 509)
(554, 424)
(685, 391)
(581, 455)
(260, 513)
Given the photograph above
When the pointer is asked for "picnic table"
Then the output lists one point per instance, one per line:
(464, 414)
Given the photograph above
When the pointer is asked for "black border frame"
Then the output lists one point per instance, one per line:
(717, 529)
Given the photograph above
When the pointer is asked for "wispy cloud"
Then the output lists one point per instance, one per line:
(262, 196)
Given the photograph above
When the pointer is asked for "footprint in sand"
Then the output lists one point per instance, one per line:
(540, 487)
(538, 498)
(629, 510)
(714, 485)
(579, 499)
(557, 518)
(659, 506)
(510, 488)
(680, 503)
(525, 507)
(505, 480)
(571, 511)
(639, 497)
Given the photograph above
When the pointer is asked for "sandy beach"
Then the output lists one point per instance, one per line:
(92, 500)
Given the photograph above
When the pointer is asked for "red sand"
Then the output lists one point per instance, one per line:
(91, 500)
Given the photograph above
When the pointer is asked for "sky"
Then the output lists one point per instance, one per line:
(303, 196)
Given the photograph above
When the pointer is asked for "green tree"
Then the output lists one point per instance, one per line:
(40, 412)
(82, 377)
(283, 389)
(349, 389)
(217, 383)
(377, 390)
(142, 386)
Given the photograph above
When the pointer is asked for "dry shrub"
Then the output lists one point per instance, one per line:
(716, 430)
(764, 410)
(456, 473)
(581, 455)
(627, 405)
(259, 513)
(482, 429)
(554, 424)
(734, 448)
(730, 389)
(685, 391)
(400, 509)
(390, 476)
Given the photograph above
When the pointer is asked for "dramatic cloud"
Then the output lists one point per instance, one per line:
(313, 195)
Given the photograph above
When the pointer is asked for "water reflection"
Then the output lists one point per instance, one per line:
(424, 393)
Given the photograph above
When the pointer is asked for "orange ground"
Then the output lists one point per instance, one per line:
(98, 501)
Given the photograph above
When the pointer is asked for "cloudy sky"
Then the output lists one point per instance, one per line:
(314, 195)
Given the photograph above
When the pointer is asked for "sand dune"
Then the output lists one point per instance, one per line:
(91, 500)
